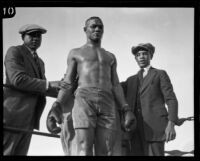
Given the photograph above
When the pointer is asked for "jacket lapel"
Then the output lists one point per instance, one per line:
(147, 80)
(30, 58)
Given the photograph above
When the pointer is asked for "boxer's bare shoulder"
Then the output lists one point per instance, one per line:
(111, 56)
(75, 55)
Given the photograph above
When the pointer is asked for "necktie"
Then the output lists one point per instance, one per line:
(142, 73)
(36, 59)
(141, 76)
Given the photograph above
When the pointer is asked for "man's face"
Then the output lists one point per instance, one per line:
(94, 29)
(33, 40)
(143, 58)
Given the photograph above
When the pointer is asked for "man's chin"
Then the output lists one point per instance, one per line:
(143, 65)
(97, 37)
(34, 47)
(97, 40)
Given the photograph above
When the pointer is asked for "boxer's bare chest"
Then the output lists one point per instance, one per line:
(94, 55)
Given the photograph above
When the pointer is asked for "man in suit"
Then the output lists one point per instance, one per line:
(25, 90)
(147, 92)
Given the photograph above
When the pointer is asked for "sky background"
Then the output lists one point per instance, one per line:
(170, 30)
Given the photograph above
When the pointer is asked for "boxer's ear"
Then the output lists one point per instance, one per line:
(84, 28)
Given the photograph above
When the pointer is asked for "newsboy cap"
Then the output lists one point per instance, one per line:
(146, 46)
(32, 28)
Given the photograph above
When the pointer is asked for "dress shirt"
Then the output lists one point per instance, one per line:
(146, 70)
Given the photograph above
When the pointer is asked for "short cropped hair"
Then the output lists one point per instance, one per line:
(92, 18)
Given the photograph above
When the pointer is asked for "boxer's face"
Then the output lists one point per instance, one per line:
(94, 29)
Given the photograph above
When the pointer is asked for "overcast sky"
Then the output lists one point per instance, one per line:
(170, 30)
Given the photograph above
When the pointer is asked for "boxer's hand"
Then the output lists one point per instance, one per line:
(130, 121)
(54, 116)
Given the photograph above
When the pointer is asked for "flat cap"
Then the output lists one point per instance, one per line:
(145, 46)
(32, 28)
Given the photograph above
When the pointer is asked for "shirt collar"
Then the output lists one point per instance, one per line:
(147, 68)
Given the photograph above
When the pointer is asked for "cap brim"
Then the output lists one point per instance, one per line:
(39, 31)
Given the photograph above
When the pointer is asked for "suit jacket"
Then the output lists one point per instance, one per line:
(154, 92)
(25, 100)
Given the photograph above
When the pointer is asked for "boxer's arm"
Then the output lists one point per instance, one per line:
(117, 88)
(69, 80)
(56, 112)
(129, 117)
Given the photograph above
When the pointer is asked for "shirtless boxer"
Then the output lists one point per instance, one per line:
(94, 113)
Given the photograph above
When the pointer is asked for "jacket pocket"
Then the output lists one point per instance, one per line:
(162, 112)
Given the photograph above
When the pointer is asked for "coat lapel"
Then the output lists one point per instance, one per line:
(147, 80)
(30, 58)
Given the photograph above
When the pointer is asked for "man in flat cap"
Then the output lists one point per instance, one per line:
(147, 92)
(25, 90)
(94, 114)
